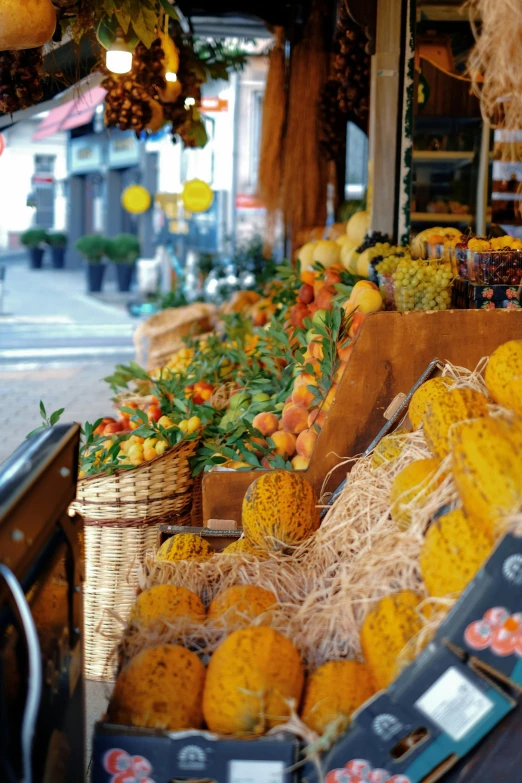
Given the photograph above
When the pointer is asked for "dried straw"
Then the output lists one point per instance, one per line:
(326, 586)
(303, 195)
(495, 62)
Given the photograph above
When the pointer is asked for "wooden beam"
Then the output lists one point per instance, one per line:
(384, 115)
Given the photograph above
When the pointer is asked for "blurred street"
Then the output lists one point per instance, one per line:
(57, 344)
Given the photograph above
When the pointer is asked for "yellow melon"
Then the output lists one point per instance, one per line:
(503, 375)
(160, 688)
(250, 678)
(326, 252)
(411, 489)
(184, 546)
(487, 469)
(357, 227)
(333, 692)
(239, 604)
(279, 510)
(386, 631)
(306, 255)
(389, 448)
(429, 391)
(167, 602)
(244, 547)
(445, 411)
(453, 551)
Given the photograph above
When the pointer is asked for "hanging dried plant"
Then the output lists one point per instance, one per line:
(303, 195)
(495, 62)
(270, 158)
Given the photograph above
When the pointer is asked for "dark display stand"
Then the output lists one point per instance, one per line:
(41, 624)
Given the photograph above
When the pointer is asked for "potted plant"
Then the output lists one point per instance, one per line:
(93, 248)
(124, 250)
(57, 241)
(34, 240)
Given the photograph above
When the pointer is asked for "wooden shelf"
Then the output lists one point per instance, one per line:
(441, 217)
(441, 155)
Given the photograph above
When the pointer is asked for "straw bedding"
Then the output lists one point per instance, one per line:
(326, 586)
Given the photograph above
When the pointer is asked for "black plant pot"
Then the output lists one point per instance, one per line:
(35, 257)
(58, 257)
(95, 273)
(124, 273)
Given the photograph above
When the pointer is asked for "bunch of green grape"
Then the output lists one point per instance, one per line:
(389, 263)
(422, 285)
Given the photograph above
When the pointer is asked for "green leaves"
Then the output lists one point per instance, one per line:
(169, 9)
(48, 421)
(139, 20)
(125, 374)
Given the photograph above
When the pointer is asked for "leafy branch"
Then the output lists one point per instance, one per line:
(47, 421)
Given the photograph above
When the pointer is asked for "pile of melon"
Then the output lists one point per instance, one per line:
(253, 680)
(416, 521)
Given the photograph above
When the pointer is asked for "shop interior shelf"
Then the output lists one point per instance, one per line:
(430, 155)
(442, 217)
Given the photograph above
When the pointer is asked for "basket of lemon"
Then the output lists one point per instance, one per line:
(140, 477)
(129, 482)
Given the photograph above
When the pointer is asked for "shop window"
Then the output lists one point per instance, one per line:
(356, 162)
(255, 137)
(44, 164)
(44, 190)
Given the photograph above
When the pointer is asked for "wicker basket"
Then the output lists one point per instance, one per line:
(112, 558)
(155, 491)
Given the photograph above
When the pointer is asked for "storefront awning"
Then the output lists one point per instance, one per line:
(70, 115)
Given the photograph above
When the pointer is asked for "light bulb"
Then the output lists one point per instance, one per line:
(118, 61)
(189, 102)
(170, 76)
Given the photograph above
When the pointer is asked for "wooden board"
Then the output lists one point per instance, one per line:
(390, 353)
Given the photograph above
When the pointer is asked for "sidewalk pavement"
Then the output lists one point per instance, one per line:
(59, 293)
(78, 389)
(49, 307)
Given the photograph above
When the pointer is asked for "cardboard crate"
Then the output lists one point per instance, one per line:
(390, 353)
(128, 753)
(475, 296)
(432, 716)
(485, 625)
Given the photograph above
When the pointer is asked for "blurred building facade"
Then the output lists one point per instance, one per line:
(64, 170)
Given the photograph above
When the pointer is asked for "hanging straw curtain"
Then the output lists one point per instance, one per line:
(304, 183)
(272, 129)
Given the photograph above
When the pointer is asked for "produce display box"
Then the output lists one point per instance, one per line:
(431, 716)
(474, 296)
(122, 753)
(218, 539)
(485, 625)
(390, 353)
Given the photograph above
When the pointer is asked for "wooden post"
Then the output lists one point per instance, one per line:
(386, 115)
(404, 167)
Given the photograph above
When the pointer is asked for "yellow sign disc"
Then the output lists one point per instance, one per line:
(197, 195)
(135, 199)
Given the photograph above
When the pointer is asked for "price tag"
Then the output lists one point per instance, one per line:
(256, 772)
(454, 704)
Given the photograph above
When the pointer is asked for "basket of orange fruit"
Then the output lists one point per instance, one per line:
(135, 470)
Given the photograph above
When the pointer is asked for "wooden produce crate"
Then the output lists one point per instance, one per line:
(390, 353)
(218, 539)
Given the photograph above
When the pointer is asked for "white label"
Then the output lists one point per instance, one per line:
(454, 704)
(256, 772)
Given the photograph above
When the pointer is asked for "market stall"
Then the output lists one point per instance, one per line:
(302, 513)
